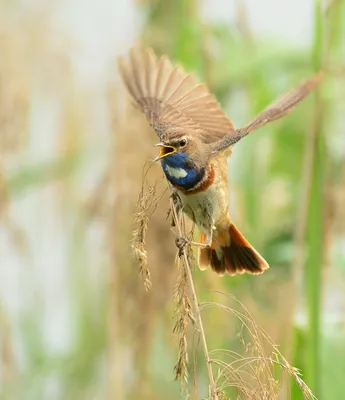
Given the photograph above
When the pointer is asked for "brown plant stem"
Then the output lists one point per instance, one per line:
(212, 387)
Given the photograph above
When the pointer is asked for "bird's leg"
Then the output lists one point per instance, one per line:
(206, 244)
(182, 242)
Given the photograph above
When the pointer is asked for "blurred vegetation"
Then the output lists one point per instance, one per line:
(287, 195)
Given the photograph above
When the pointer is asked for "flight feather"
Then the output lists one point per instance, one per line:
(172, 100)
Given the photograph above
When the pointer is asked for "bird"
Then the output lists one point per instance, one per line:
(196, 138)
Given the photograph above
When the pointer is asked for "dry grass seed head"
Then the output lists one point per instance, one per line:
(183, 314)
(146, 204)
(253, 375)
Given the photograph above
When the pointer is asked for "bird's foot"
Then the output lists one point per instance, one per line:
(181, 243)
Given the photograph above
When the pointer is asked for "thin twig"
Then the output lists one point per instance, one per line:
(213, 389)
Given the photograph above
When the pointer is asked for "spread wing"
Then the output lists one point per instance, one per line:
(280, 107)
(172, 100)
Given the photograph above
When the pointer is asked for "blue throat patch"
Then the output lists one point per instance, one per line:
(180, 171)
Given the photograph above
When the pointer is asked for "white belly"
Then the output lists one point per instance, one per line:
(206, 208)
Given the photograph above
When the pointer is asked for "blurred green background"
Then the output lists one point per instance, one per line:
(75, 320)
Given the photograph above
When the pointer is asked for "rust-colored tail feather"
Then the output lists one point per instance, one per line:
(233, 254)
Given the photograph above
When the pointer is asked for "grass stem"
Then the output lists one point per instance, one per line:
(213, 389)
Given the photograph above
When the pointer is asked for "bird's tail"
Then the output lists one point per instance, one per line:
(230, 252)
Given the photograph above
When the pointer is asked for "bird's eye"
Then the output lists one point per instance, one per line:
(182, 142)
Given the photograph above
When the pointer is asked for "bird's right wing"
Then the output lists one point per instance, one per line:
(172, 100)
(280, 107)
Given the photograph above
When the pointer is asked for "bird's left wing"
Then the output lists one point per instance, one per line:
(172, 100)
(280, 107)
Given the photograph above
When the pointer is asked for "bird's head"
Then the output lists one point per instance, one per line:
(184, 159)
(183, 149)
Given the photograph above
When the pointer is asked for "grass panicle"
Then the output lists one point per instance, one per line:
(146, 205)
(183, 315)
(254, 373)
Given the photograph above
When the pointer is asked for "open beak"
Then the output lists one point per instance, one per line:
(164, 151)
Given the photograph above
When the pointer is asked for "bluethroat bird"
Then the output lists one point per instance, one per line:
(195, 140)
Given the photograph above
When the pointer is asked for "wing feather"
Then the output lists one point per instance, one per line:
(280, 107)
(175, 103)
(172, 100)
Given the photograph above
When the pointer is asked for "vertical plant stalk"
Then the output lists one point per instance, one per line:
(300, 240)
(316, 207)
(315, 243)
(213, 388)
(314, 263)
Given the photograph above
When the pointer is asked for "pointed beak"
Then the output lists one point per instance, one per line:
(164, 151)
